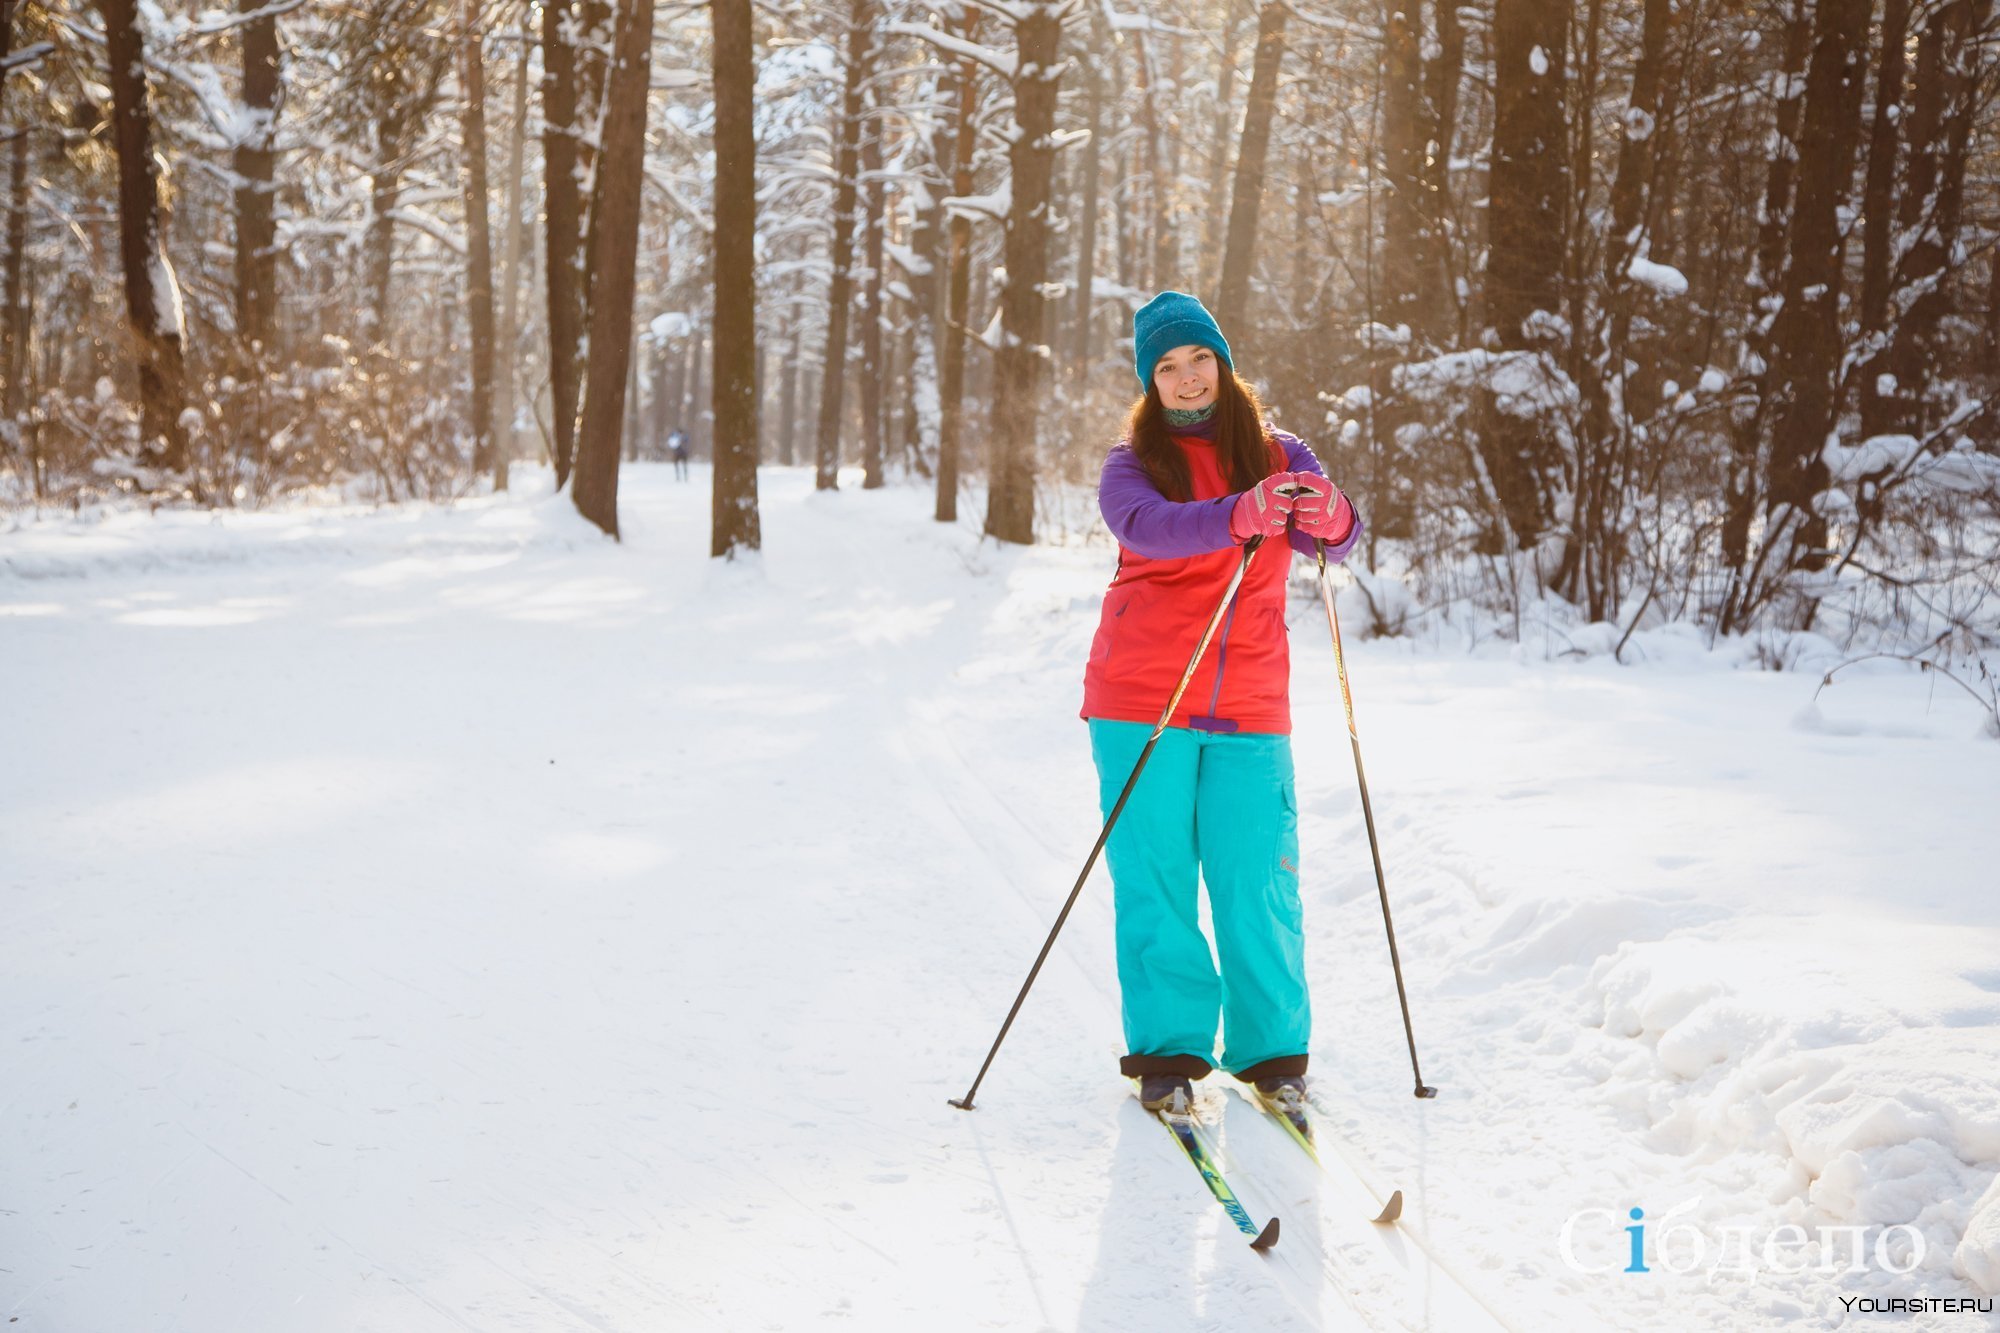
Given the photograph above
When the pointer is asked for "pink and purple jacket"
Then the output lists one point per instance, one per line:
(1174, 560)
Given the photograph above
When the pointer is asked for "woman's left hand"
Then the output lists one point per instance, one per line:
(1320, 509)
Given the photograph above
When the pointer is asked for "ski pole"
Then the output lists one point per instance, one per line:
(1249, 549)
(1368, 814)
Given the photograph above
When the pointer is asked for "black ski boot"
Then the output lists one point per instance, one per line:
(1286, 1097)
(1172, 1093)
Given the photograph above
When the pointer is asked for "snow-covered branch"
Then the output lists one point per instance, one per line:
(451, 240)
(209, 27)
(975, 206)
(660, 181)
(27, 56)
(998, 61)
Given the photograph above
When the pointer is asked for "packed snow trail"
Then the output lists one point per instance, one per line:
(442, 919)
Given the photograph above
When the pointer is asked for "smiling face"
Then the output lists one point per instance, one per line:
(1186, 377)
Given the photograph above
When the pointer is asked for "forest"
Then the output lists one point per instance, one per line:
(1660, 311)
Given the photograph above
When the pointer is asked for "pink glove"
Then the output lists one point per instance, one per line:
(1322, 510)
(1262, 510)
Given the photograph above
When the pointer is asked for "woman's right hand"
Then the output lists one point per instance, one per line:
(1264, 509)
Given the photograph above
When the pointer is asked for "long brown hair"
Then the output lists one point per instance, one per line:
(1243, 448)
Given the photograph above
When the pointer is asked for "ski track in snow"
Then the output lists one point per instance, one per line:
(448, 919)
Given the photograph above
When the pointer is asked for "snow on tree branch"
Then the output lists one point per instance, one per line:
(660, 181)
(976, 206)
(27, 56)
(211, 26)
(998, 61)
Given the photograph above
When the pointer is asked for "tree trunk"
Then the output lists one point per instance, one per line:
(1986, 429)
(152, 294)
(1582, 182)
(478, 235)
(1878, 212)
(1527, 239)
(1128, 228)
(255, 165)
(629, 433)
(13, 342)
(860, 61)
(1010, 511)
(508, 352)
(788, 403)
(1783, 178)
(698, 394)
(614, 242)
(922, 403)
(1806, 335)
(670, 372)
(385, 186)
(1438, 292)
(1225, 130)
(927, 232)
(1240, 249)
(1935, 216)
(1080, 359)
(1172, 265)
(1404, 139)
(873, 372)
(958, 287)
(734, 508)
(13, 320)
(1588, 573)
(673, 413)
(1152, 260)
(564, 228)
(1741, 486)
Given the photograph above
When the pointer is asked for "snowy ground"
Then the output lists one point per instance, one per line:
(434, 919)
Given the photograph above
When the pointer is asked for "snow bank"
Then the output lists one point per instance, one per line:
(119, 541)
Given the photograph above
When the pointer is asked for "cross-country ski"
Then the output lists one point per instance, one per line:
(1179, 1118)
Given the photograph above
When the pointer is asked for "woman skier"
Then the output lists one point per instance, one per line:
(1198, 474)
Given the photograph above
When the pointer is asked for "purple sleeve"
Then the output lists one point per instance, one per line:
(1299, 457)
(1149, 523)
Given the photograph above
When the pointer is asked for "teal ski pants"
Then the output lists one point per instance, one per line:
(1217, 808)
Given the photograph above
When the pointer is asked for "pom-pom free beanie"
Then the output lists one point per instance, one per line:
(1170, 320)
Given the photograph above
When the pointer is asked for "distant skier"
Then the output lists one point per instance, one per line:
(1198, 474)
(677, 449)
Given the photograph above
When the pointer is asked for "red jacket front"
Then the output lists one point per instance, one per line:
(1158, 603)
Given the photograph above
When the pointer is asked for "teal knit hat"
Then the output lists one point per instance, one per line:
(1170, 320)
